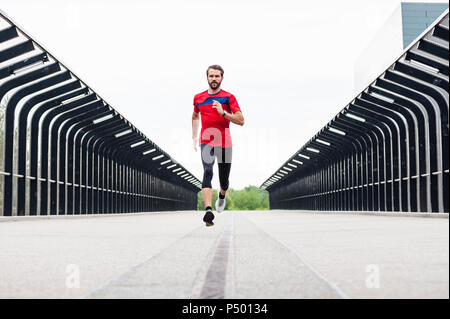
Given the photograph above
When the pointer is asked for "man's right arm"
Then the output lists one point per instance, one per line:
(195, 126)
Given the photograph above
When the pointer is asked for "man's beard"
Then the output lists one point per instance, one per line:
(214, 85)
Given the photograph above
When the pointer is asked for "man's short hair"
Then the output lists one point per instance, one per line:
(215, 67)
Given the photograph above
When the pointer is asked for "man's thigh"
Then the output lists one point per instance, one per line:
(207, 154)
(224, 155)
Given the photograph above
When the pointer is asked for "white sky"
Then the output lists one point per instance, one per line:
(290, 65)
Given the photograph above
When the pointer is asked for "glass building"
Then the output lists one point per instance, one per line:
(401, 28)
(417, 16)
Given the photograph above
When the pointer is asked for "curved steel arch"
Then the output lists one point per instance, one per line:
(34, 140)
(391, 130)
(373, 139)
(61, 152)
(91, 166)
(108, 137)
(22, 138)
(359, 150)
(438, 98)
(368, 162)
(81, 163)
(10, 109)
(401, 124)
(114, 143)
(412, 145)
(47, 129)
(59, 143)
(403, 139)
(82, 117)
(428, 113)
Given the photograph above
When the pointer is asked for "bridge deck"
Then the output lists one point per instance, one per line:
(276, 254)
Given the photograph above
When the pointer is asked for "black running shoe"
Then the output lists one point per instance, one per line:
(208, 218)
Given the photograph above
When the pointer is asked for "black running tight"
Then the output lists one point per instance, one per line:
(209, 153)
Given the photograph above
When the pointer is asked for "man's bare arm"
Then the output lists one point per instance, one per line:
(236, 118)
(195, 126)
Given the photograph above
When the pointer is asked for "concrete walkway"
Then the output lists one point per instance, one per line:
(261, 254)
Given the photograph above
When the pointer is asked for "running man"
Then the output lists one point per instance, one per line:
(217, 108)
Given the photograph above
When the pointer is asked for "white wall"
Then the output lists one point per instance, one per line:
(385, 47)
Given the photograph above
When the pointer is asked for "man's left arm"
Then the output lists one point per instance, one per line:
(236, 117)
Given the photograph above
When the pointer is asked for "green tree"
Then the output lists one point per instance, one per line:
(249, 198)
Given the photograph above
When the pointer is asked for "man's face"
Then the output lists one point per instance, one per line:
(214, 78)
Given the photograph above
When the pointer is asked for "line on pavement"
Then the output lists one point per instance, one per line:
(132, 268)
(215, 282)
(308, 265)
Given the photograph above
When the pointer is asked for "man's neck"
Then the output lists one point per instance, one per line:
(211, 91)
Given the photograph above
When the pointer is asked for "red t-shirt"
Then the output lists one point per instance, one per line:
(215, 128)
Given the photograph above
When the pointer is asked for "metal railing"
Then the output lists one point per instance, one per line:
(387, 150)
(65, 150)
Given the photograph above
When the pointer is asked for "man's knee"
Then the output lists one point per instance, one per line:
(207, 177)
(208, 172)
(224, 185)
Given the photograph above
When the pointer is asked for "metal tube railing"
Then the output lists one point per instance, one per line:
(60, 156)
(390, 141)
